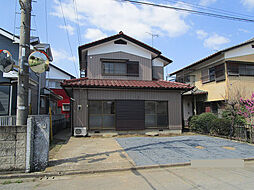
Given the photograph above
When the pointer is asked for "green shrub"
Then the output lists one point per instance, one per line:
(192, 121)
(239, 120)
(220, 126)
(204, 122)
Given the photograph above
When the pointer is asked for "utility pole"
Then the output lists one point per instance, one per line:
(23, 73)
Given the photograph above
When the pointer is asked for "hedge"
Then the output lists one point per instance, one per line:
(209, 123)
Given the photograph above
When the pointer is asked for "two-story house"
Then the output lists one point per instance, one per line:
(217, 78)
(122, 88)
(8, 81)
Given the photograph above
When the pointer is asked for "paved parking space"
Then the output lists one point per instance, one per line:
(170, 150)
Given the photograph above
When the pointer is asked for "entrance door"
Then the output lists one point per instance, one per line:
(130, 115)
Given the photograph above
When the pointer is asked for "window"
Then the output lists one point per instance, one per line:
(101, 115)
(241, 69)
(216, 73)
(120, 67)
(211, 74)
(4, 100)
(156, 114)
(66, 107)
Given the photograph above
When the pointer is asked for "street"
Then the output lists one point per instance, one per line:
(164, 178)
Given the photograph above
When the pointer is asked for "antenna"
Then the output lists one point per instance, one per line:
(153, 35)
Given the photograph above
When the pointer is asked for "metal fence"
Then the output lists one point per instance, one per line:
(244, 133)
(7, 120)
(59, 122)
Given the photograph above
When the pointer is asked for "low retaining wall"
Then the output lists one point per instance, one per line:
(38, 129)
(25, 148)
(13, 148)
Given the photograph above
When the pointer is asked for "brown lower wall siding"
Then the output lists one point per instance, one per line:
(82, 96)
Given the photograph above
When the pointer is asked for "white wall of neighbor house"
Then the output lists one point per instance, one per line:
(240, 51)
(128, 48)
(54, 73)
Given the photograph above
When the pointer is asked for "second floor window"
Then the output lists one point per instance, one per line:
(216, 73)
(120, 68)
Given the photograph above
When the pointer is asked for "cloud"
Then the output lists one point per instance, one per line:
(64, 60)
(248, 3)
(206, 2)
(69, 28)
(60, 55)
(215, 41)
(201, 34)
(93, 34)
(136, 20)
(244, 30)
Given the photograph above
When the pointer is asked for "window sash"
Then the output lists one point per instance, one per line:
(122, 68)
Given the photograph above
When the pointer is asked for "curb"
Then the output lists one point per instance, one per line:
(64, 173)
(71, 172)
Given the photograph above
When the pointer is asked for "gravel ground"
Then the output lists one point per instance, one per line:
(171, 150)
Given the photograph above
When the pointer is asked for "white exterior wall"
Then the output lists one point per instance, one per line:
(158, 63)
(187, 109)
(111, 47)
(240, 51)
(54, 73)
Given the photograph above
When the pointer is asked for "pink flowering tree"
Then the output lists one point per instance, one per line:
(247, 109)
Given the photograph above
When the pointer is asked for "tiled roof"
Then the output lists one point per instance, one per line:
(113, 83)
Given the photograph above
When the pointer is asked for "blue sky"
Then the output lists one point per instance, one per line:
(184, 38)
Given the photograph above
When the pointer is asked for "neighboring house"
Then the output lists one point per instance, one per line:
(54, 77)
(217, 78)
(8, 81)
(122, 88)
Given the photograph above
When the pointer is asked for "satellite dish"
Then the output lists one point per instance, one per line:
(38, 61)
(6, 61)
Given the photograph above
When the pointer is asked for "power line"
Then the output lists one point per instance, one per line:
(77, 21)
(14, 24)
(229, 13)
(68, 38)
(46, 20)
(192, 11)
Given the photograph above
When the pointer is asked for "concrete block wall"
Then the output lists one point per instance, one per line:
(13, 148)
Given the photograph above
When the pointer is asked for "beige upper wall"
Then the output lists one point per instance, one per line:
(94, 69)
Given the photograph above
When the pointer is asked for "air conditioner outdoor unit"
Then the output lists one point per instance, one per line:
(80, 131)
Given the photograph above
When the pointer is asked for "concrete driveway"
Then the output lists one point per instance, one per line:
(89, 154)
(171, 150)
(96, 154)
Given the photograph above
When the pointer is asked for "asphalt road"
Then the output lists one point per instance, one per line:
(170, 150)
(167, 178)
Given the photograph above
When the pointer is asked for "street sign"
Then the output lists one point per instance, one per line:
(6, 61)
(38, 61)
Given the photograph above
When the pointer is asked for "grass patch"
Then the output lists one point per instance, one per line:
(9, 182)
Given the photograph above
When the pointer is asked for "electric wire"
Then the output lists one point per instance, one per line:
(229, 13)
(14, 24)
(191, 11)
(68, 38)
(46, 20)
(77, 21)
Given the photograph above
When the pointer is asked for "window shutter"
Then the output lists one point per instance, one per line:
(204, 76)
(219, 73)
(132, 68)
